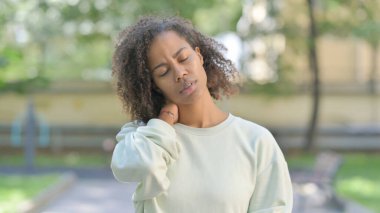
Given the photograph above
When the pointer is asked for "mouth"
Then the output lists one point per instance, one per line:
(188, 87)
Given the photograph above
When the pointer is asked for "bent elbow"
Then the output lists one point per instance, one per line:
(128, 172)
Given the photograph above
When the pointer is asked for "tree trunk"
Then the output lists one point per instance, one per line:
(313, 63)
(372, 85)
(375, 64)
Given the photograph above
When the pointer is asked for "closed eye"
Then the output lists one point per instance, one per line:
(164, 73)
(183, 60)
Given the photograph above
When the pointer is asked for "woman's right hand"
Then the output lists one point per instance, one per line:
(169, 113)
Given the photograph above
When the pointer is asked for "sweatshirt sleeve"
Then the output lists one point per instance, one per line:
(143, 154)
(273, 189)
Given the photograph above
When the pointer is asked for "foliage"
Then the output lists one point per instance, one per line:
(352, 18)
(72, 39)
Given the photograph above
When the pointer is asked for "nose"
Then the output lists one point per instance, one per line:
(180, 72)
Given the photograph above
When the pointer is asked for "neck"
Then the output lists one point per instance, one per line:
(201, 114)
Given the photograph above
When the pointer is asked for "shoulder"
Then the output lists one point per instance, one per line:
(260, 139)
(154, 122)
(253, 130)
(154, 126)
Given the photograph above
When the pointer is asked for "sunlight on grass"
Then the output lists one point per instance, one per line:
(16, 189)
(359, 179)
(364, 187)
(364, 191)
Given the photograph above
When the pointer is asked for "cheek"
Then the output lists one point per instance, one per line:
(203, 73)
(163, 88)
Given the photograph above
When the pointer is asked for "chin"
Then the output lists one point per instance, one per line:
(194, 98)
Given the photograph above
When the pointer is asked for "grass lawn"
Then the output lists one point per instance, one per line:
(16, 189)
(68, 159)
(358, 179)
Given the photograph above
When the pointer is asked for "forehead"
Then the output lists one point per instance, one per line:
(167, 42)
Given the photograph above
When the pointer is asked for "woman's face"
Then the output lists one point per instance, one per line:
(177, 69)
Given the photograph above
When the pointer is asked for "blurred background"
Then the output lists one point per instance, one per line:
(309, 70)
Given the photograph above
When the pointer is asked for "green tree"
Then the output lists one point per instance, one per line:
(67, 39)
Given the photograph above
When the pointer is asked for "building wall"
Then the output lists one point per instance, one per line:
(105, 109)
(342, 61)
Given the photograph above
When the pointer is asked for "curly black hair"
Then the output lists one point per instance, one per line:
(134, 83)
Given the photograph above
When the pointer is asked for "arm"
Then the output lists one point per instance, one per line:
(143, 154)
(273, 188)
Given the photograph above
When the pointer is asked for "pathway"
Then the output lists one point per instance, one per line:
(94, 196)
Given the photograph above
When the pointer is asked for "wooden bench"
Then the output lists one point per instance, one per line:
(316, 186)
(324, 171)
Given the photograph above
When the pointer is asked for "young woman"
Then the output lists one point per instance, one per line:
(187, 155)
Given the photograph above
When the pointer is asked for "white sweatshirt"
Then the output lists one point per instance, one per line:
(233, 167)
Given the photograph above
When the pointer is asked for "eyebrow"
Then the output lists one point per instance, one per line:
(174, 55)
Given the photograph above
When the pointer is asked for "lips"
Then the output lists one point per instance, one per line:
(187, 87)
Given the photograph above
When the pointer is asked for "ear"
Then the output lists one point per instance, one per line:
(198, 51)
(155, 87)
